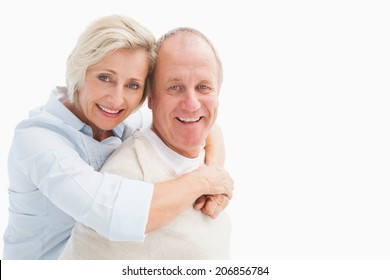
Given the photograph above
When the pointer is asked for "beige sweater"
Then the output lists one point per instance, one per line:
(192, 235)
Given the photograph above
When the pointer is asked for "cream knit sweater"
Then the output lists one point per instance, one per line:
(192, 235)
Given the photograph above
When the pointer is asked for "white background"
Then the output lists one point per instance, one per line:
(304, 110)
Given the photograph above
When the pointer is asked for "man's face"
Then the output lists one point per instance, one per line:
(184, 97)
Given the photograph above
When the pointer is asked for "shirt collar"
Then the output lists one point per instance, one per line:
(119, 130)
(55, 107)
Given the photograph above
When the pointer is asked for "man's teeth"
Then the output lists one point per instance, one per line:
(189, 119)
(108, 110)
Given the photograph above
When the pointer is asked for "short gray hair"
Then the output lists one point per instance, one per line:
(196, 32)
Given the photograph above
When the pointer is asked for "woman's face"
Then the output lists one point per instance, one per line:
(112, 89)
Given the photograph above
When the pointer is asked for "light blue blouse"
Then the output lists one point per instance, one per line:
(54, 181)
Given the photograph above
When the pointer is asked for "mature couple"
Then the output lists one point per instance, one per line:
(155, 187)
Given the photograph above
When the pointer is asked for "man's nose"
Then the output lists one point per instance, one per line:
(191, 100)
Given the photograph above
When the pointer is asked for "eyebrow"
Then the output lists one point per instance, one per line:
(173, 80)
(205, 82)
(179, 80)
(108, 70)
(93, 69)
(116, 73)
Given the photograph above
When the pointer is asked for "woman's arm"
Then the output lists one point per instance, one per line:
(115, 207)
(172, 197)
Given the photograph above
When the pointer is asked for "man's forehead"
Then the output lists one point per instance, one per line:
(182, 42)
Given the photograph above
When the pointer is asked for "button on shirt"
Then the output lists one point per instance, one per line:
(54, 181)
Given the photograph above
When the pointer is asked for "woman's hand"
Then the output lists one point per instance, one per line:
(212, 205)
(171, 198)
(216, 180)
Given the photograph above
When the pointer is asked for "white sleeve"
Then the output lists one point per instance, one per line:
(115, 207)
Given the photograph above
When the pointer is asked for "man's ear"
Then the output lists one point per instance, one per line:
(150, 102)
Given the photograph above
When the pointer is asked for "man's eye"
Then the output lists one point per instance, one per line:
(133, 86)
(104, 78)
(204, 89)
(174, 88)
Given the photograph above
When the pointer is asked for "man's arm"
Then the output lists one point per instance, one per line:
(215, 147)
(213, 205)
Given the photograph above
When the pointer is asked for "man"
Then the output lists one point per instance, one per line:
(184, 95)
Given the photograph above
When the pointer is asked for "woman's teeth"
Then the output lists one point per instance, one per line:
(108, 110)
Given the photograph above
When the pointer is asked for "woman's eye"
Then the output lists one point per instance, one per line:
(133, 86)
(104, 78)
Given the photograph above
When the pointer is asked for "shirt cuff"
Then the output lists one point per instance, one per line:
(131, 211)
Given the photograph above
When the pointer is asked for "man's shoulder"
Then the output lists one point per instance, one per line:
(130, 153)
(135, 142)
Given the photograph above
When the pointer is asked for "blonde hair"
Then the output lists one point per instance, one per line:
(102, 37)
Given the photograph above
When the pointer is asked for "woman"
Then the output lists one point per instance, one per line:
(56, 153)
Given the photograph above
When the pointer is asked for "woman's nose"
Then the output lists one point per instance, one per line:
(116, 96)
